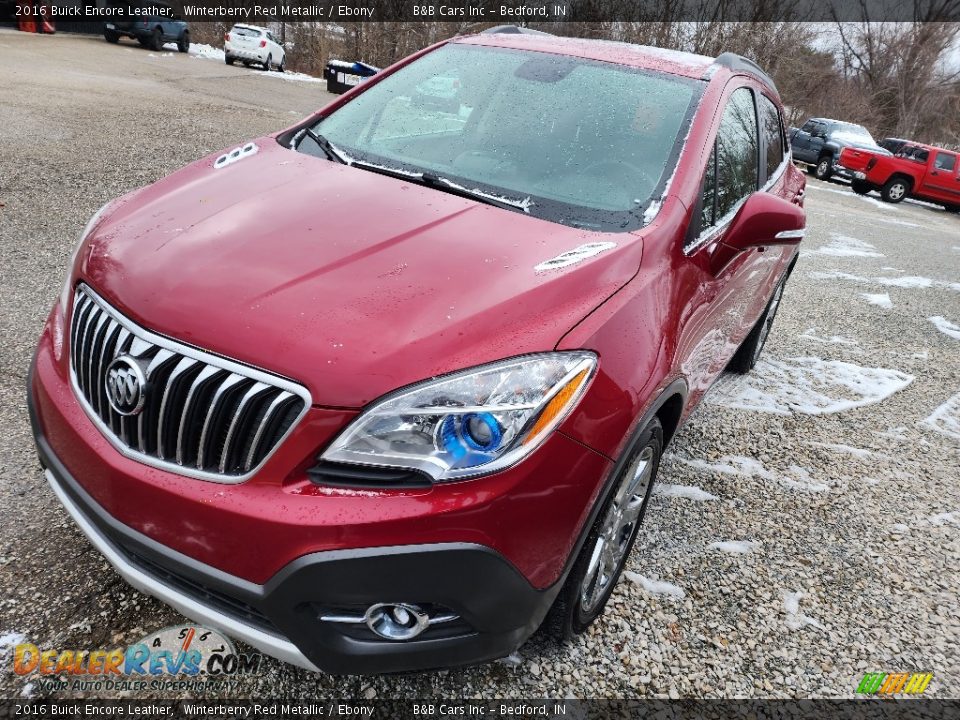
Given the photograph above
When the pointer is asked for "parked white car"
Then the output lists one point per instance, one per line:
(252, 44)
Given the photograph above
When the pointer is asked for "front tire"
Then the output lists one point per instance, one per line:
(111, 37)
(824, 169)
(860, 187)
(748, 353)
(600, 562)
(183, 44)
(895, 190)
(267, 63)
(156, 40)
(228, 60)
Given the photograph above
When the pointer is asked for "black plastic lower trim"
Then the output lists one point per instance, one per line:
(498, 609)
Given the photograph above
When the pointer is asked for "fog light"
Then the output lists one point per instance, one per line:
(396, 621)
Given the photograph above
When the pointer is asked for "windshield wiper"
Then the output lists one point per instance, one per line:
(444, 185)
(328, 149)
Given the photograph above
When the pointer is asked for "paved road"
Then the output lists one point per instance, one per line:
(828, 478)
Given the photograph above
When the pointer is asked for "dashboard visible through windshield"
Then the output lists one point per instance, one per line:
(579, 142)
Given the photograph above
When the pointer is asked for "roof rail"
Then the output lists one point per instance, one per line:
(512, 30)
(738, 63)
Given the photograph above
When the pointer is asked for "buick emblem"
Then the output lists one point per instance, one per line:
(126, 385)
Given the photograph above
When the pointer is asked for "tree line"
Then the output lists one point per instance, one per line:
(898, 79)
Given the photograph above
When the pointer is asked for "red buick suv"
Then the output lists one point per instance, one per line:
(388, 390)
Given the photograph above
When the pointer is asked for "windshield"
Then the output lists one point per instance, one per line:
(579, 142)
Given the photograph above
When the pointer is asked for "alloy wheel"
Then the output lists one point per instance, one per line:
(616, 531)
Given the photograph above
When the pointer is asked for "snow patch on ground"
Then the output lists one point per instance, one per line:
(881, 299)
(736, 547)
(846, 246)
(691, 492)
(911, 282)
(9, 640)
(512, 660)
(795, 476)
(945, 419)
(655, 587)
(810, 334)
(208, 52)
(845, 449)
(808, 385)
(945, 326)
(893, 221)
(943, 518)
(796, 619)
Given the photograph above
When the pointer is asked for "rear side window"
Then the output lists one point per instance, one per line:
(945, 161)
(772, 131)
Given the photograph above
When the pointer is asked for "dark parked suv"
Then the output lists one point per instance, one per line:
(819, 142)
(150, 23)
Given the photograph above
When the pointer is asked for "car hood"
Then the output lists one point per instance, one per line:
(350, 282)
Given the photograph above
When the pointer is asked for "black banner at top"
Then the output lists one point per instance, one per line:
(522, 12)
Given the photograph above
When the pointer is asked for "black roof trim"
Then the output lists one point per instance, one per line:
(738, 63)
(512, 30)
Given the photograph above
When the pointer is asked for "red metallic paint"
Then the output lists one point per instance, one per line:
(399, 284)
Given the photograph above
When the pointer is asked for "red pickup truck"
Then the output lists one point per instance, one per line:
(920, 171)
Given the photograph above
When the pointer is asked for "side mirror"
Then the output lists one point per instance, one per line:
(288, 45)
(763, 220)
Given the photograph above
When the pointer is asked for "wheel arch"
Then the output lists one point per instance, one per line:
(900, 175)
(670, 404)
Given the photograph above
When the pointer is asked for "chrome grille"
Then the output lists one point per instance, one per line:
(204, 416)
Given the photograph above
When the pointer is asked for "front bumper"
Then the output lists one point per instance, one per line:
(264, 560)
(496, 608)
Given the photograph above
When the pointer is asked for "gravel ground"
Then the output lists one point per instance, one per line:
(839, 549)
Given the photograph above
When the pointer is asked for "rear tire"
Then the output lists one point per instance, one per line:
(111, 37)
(267, 63)
(952, 208)
(228, 60)
(824, 169)
(183, 44)
(283, 64)
(749, 352)
(156, 40)
(895, 190)
(860, 187)
(600, 562)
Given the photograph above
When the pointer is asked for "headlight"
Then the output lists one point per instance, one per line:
(67, 288)
(472, 422)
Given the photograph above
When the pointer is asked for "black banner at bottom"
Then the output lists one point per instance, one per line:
(511, 709)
